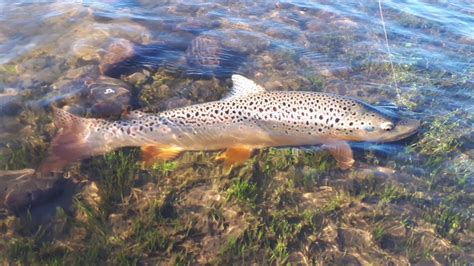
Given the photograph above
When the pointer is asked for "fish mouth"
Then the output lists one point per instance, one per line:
(403, 129)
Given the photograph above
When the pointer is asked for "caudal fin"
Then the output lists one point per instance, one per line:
(76, 139)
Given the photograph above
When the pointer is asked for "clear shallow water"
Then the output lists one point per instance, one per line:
(169, 54)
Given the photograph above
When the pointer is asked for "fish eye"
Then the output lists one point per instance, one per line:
(387, 126)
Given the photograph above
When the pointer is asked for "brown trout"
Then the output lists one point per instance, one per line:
(248, 118)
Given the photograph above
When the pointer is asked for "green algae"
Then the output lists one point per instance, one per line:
(243, 191)
(439, 144)
(438, 141)
(29, 147)
(161, 169)
(8, 69)
(317, 83)
(115, 173)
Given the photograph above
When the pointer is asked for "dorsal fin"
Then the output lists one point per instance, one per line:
(243, 86)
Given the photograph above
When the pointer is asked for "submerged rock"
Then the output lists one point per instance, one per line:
(118, 51)
(204, 51)
(194, 25)
(20, 189)
(108, 96)
(109, 42)
(234, 40)
(207, 56)
(69, 87)
(9, 102)
(84, 89)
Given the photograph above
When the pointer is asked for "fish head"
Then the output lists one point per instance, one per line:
(376, 124)
(393, 130)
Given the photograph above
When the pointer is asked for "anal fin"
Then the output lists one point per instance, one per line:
(235, 156)
(342, 153)
(152, 153)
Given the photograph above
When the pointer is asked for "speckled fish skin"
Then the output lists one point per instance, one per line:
(249, 117)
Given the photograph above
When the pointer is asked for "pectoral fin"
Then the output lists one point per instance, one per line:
(152, 154)
(235, 156)
(342, 152)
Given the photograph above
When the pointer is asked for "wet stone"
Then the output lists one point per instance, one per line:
(174, 102)
(34, 64)
(207, 57)
(197, 25)
(118, 51)
(137, 78)
(282, 32)
(90, 40)
(254, 43)
(205, 90)
(108, 97)
(70, 87)
(28, 189)
(10, 102)
(204, 51)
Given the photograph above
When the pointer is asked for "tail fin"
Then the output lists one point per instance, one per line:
(76, 139)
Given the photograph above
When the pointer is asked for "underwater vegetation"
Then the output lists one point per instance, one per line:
(409, 202)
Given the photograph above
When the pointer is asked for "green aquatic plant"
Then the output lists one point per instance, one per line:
(318, 165)
(115, 173)
(462, 170)
(278, 159)
(317, 83)
(439, 144)
(447, 221)
(19, 155)
(321, 161)
(416, 247)
(392, 193)
(30, 146)
(440, 139)
(8, 69)
(280, 251)
(245, 248)
(243, 191)
(147, 238)
(162, 77)
(378, 233)
(164, 168)
(335, 203)
(32, 245)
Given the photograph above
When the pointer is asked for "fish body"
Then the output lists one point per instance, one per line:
(249, 118)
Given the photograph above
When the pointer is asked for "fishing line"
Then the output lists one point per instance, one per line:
(389, 52)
